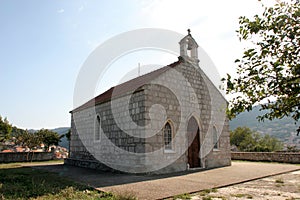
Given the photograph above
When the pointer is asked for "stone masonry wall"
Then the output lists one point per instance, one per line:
(134, 124)
(24, 156)
(283, 157)
(118, 117)
(212, 105)
(161, 91)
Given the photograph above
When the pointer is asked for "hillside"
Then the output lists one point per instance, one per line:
(61, 131)
(283, 129)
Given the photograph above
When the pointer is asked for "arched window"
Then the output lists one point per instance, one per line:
(168, 136)
(215, 138)
(97, 134)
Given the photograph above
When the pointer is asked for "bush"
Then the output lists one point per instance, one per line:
(250, 141)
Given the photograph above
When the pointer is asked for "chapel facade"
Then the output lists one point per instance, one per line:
(169, 120)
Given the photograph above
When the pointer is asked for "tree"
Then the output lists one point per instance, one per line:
(5, 129)
(68, 135)
(247, 140)
(267, 144)
(242, 138)
(240, 135)
(269, 71)
(28, 139)
(49, 137)
(17, 131)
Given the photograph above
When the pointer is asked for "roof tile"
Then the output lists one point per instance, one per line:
(128, 86)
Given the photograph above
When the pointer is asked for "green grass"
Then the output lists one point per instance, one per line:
(183, 196)
(214, 190)
(20, 164)
(207, 191)
(248, 196)
(206, 194)
(18, 183)
(207, 198)
(279, 181)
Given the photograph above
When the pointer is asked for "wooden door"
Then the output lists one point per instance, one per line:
(194, 142)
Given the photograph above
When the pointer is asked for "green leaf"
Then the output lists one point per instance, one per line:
(270, 68)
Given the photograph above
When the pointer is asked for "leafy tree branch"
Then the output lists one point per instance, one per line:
(269, 71)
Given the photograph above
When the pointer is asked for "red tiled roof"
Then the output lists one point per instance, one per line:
(128, 86)
(7, 151)
(19, 149)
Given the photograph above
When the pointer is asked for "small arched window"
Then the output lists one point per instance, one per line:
(215, 138)
(97, 132)
(168, 136)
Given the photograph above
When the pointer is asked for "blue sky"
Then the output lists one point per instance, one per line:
(44, 44)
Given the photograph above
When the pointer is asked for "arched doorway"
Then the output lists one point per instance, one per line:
(193, 135)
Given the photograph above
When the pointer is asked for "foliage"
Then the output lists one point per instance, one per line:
(68, 135)
(247, 140)
(292, 149)
(17, 131)
(279, 180)
(207, 198)
(248, 196)
(49, 137)
(182, 196)
(269, 71)
(31, 138)
(17, 182)
(283, 129)
(5, 129)
(27, 139)
(207, 191)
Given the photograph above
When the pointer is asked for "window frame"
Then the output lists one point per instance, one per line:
(215, 139)
(97, 129)
(168, 148)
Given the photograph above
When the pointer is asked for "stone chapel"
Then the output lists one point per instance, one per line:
(169, 120)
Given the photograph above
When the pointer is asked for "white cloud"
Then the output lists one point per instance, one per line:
(212, 24)
(61, 10)
(80, 9)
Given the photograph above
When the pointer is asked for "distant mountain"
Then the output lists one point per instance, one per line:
(61, 131)
(283, 129)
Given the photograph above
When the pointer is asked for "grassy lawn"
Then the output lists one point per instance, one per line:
(17, 182)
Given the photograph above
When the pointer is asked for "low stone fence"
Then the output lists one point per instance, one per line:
(284, 157)
(24, 156)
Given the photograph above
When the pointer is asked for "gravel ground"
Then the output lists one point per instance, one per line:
(284, 186)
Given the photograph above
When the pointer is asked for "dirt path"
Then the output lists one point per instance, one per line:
(284, 186)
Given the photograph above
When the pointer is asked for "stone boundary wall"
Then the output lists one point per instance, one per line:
(24, 156)
(284, 157)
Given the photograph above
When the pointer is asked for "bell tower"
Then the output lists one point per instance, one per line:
(189, 48)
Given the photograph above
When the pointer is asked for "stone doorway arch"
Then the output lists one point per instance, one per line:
(193, 136)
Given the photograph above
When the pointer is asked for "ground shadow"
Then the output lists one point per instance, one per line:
(97, 178)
